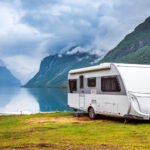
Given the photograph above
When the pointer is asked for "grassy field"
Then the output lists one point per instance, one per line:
(63, 131)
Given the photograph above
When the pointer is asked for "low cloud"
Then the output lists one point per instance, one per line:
(33, 29)
(23, 67)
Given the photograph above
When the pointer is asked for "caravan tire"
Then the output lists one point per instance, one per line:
(75, 110)
(91, 113)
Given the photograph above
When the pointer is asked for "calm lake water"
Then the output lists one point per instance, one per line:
(32, 100)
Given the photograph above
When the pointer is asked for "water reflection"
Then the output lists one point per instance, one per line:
(22, 100)
(17, 100)
(50, 99)
(6, 95)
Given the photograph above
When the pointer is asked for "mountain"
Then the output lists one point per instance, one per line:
(7, 78)
(134, 48)
(54, 68)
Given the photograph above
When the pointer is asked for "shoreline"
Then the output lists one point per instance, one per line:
(29, 113)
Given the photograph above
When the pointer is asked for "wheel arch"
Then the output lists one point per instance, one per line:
(89, 108)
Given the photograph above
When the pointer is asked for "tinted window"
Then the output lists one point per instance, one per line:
(91, 82)
(110, 84)
(73, 85)
(81, 82)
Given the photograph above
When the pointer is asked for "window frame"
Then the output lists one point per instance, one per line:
(70, 89)
(81, 80)
(118, 86)
(88, 81)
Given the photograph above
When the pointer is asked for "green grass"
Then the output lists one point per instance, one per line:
(27, 132)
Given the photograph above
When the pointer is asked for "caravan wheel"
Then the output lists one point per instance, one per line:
(91, 113)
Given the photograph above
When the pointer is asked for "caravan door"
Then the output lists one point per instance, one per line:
(81, 100)
(81, 95)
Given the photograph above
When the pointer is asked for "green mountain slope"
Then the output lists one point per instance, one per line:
(54, 68)
(134, 48)
(141, 56)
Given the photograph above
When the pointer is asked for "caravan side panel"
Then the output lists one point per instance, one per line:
(73, 100)
(103, 102)
(108, 104)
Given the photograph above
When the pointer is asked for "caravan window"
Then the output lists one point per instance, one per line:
(73, 85)
(110, 84)
(81, 82)
(91, 82)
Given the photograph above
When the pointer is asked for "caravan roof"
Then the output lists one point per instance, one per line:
(105, 66)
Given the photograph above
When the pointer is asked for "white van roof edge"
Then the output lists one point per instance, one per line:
(101, 67)
(105, 66)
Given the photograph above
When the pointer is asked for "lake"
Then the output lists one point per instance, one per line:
(32, 100)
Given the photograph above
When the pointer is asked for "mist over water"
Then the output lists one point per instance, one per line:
(32, 100)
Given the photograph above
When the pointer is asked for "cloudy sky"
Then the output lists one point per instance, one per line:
(33, 29)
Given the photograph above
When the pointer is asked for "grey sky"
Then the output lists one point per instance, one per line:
(33, 29)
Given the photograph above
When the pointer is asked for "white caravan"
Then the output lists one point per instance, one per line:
(111, 89)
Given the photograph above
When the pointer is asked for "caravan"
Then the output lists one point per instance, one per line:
(111, 89)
